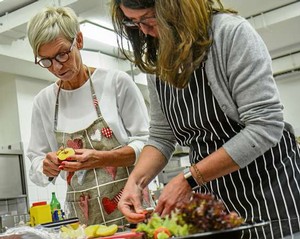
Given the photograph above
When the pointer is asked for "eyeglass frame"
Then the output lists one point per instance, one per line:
(132, 24)
(56, 57)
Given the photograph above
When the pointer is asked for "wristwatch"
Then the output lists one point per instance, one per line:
(189, 178)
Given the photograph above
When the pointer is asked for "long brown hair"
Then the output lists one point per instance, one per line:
(184, 28)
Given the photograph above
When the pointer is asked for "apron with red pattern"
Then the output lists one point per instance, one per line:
(93, 195)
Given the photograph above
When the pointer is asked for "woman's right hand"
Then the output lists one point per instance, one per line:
(51, 165)
(130, 203)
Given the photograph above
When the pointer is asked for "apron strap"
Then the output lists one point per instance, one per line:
(56, 107)
(106, 85)
(94, 97)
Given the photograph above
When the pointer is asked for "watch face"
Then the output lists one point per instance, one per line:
(186, 171)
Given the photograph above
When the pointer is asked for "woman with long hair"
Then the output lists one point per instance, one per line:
(211, 88)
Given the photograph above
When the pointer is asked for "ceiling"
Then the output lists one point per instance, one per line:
(277, 21)
(11, 5)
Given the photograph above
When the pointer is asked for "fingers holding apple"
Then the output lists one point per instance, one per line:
(51, 164)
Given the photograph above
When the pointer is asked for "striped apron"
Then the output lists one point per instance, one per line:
(93, 195)
(266, 190)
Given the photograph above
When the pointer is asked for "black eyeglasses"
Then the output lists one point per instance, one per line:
(147, 21)
(60, 57)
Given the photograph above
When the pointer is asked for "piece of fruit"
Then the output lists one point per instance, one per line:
(161, 233)
(65, 229)
(65, 153)
(67, 232)
(104, 231)
(90, 231)
(74, 225)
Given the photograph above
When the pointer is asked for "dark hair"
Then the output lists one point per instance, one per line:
(136, 4)
(144, 48)
(185, 36)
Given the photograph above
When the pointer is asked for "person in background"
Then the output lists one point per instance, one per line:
(211, 88)
(98, 112)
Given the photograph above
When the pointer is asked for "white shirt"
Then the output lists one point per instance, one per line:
(121, 104)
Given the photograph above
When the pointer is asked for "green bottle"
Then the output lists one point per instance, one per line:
(54, 204)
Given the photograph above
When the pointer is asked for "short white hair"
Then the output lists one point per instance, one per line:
(50, 23)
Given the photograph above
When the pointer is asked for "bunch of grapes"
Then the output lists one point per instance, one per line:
(206, 213)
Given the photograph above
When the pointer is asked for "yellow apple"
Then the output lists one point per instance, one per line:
(90, 231)
(104, 231)
(65, 153)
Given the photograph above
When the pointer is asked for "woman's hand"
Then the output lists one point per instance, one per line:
(91, 158)
(83, 159)
(176, 192)
(130, 203)
(51, 165)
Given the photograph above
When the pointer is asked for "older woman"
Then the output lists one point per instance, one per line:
(213, 90)
(100, 113)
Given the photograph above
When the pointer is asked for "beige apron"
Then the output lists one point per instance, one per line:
(93, 195)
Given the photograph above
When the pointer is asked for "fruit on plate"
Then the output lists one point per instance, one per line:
(90, 231)
(74, 225)
(64, 153)
(98, 230)
(104, 231)
(68, 232)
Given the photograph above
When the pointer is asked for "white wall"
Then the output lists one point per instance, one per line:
(289, 89)
(97, 59)
(9, 126)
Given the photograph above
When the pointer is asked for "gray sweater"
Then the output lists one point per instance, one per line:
(239, 72)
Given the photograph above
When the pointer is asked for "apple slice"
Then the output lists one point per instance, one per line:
(90, 231)
(65, 153)
(104, 231)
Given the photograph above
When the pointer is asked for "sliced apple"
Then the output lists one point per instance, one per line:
(104, 231)
(65, 153)
(90, 231)
(74, 225)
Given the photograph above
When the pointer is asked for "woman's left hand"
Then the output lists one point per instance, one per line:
(175, 193)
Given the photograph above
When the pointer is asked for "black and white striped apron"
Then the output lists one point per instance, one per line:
(268, 189)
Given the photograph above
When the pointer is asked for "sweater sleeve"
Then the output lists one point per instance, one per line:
(161, 135)
(246, 68)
